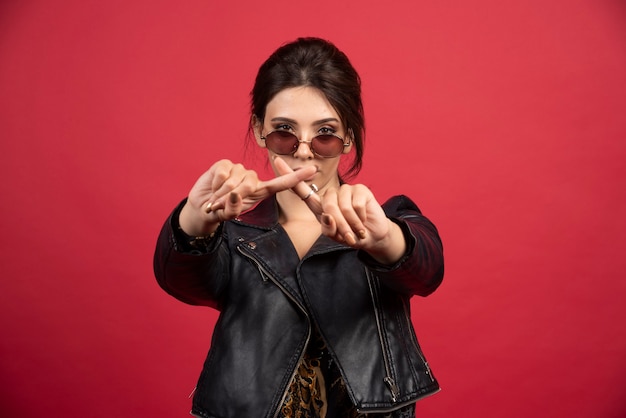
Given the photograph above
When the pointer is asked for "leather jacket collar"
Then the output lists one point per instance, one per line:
(264, 215)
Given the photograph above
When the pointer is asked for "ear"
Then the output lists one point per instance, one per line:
(257, 128)
(350, 138)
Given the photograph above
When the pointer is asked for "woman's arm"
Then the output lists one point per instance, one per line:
(420, 270)
(191, 270)
(190, 262)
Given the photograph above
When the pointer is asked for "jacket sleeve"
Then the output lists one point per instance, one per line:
(420, 270)
(196, 277)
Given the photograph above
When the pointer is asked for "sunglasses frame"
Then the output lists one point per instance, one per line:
(310, 143)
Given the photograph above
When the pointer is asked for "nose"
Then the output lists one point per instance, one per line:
(304, 150)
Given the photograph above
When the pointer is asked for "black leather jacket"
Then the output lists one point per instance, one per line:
(269, 300)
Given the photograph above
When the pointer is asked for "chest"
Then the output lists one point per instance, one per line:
(302, 234)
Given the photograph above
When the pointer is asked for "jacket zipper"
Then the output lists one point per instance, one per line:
(407, 318)
(268, 276)
(389, 380)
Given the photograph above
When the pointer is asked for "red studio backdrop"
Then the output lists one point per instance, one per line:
(505, 121)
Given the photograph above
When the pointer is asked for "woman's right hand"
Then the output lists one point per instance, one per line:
(228, 189)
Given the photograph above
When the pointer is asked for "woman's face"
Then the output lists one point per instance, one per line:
(305, 112)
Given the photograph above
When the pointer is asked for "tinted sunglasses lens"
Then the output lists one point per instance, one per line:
(327, 145)
(281, 142)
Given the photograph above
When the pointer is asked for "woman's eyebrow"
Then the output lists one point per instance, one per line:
(323, 121)
(283, 119)
(294, 122)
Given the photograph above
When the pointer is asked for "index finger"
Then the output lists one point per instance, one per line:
(286, 181)
(300, 188)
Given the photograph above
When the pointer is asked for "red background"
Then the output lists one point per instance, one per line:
(503, 120)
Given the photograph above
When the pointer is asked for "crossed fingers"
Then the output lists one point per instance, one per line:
(234, 189)
(348, 214)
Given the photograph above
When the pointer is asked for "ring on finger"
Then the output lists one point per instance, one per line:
(314, 189)
(308, 195)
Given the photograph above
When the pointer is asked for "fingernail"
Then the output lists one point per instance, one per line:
(207, 208)
(349, 237)
(362, 233)
(326, 219)
(234, 198)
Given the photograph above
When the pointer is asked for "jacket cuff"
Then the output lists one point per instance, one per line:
(410, 240)
(187, 244)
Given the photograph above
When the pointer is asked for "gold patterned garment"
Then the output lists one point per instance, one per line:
(306, 396)
(318, 391)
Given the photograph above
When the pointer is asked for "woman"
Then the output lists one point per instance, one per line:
(312, 277)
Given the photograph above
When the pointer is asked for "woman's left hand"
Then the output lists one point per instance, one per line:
(351, 215)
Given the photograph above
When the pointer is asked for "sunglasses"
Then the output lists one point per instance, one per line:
(286, 143)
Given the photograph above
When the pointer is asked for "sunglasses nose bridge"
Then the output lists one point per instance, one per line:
(306, 143)
(304, 138)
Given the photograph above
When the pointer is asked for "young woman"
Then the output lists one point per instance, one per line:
(311, 275)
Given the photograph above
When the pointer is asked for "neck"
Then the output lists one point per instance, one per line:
(293, 208)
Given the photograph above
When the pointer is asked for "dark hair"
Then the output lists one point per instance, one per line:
(315, 63)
